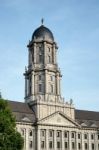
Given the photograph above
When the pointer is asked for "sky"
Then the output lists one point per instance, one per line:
(75, 26)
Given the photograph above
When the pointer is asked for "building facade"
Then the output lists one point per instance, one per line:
(46, 121)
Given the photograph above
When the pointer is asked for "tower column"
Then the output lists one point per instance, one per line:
(32, 83)
(54, 57)
(45, 56)
(34, 53)
(46, 82)
(25, 86)
(58, 85)
(46, 85)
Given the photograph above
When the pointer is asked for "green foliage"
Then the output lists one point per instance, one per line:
(10, 139)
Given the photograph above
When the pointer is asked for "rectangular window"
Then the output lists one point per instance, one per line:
(58, 145)
(92, 146)
(50, 133)
(86, 146)
(30, 133)
(66, 134)
(51, 88)
(40, 50)
(48, 49)
(98, 146)
(52, 78)
(66, 145)
(79, 135)
(73, 135)
(42, 133)
(40, 77)
(23, 132)
(73, 145)
(49, 59)
(92, 136)
(40, 58)
(85, 136)
(42, 144)
(79, 146)
(50, 144)
(58, 133)
(30, 144)
(40, 87)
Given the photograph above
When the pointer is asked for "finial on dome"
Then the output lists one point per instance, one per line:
(42, 21)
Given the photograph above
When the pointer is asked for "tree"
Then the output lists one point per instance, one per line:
(10, 139)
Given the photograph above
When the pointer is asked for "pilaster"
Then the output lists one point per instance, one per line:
(89, 141)
(38, 139)
(27, 139)
(47, 144)
(76, 139)
(96, 142)
(62, 139)
(55, 148)
(70, 148)
(82, 141)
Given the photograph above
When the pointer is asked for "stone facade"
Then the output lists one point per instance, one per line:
(55, 125)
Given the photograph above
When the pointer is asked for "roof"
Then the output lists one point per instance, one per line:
(42, 32)
(86, 115)
(87, 118)
(22, 111)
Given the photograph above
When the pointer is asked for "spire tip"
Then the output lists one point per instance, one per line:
(42, 21)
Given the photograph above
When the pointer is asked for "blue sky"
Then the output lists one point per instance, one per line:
(75, 25)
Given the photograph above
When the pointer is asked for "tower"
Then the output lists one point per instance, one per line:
(42, 76)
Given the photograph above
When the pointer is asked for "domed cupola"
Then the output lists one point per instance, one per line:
(43, 33)
(42, 76)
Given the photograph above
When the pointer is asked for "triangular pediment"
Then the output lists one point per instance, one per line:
(59, 119)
